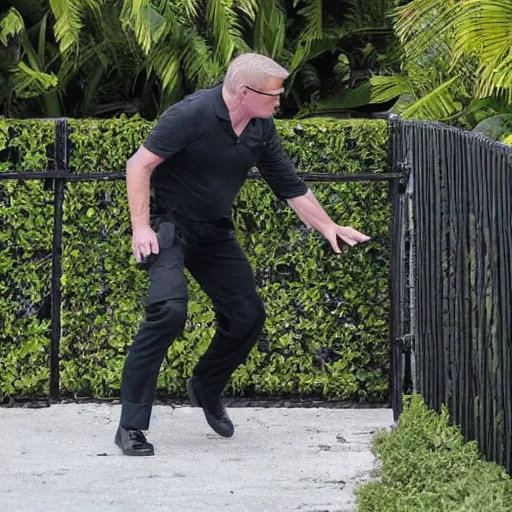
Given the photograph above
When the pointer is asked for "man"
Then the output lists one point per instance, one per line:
(201, 150)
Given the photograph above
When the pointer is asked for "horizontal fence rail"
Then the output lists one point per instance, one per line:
(460, 277)
(113, 176)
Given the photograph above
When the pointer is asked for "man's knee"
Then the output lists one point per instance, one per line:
(250, 317)
(259, 315)
(170, 315)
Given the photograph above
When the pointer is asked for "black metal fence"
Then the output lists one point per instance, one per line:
(453, 318)
(450, 274)
(61, 174)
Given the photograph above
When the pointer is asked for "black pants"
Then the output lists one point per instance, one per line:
(216, 261)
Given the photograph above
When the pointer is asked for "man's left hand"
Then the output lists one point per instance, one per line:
(344, 234)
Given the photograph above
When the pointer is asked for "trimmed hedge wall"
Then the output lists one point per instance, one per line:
(26, 217)
(327, 329)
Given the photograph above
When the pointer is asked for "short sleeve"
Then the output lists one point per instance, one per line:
(277, 169)
(174, 130)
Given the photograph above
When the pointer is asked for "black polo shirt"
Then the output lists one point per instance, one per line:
(205, 162)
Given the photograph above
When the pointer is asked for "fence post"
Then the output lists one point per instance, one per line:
(401, 338)
(61, 157)
(395, 359)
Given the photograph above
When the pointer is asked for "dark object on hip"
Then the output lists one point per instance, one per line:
(165, 234)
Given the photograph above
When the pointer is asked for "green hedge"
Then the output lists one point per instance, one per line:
(327, 329)
(26, 216)
(426, 465)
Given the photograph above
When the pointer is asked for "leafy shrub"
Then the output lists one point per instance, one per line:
(426, 465)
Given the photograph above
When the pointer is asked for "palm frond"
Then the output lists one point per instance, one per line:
(190, 58)
(386, 88)
(42, 40)
(362, 12)
(439, 104)
(165, 61)
(10, 25)
(312, 13)
(249, 7)
(485, 30)
(29, 83)
(91, 89)
(269, 28)
(199, 67)
(302, 52)
(423, 25)
(226, 30)
(311, 34)
(147, 23)
(68, 15)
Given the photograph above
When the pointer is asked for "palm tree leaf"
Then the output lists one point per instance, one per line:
(226, 30)
(439, 104)
(147, 23)
(485, 30)
(269, 28)
(42, 40)
(249, 7)
(425, 24)
(386, 88)
(312, 12)
(10, 25)
(197, 62)
(29, 83)
(165, 61)
(68, 15)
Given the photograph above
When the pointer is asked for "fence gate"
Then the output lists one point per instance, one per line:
(452, 323)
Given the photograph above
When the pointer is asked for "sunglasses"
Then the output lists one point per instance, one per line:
(274, 94)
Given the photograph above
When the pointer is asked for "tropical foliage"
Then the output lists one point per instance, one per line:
(99, 58)
(456, 61)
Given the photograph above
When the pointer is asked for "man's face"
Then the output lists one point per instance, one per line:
(262, 101)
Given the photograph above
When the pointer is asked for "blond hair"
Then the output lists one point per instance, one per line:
(252, 69)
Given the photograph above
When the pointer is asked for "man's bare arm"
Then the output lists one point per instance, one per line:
(310, 211)
(138, 173)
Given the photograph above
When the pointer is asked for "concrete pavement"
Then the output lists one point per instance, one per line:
(63, 459)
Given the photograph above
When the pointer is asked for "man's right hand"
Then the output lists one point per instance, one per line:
(144, 242)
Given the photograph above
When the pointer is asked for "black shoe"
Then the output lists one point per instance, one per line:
(214, 411)
(133, 442)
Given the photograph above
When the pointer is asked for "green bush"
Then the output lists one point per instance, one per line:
(327, 329)
(26, 215)
(426, 465)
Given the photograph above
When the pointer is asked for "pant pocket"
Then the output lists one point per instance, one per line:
(166, 235)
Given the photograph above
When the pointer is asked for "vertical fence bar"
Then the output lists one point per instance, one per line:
(506, 280)
(59, 184)
(396, 276)
(419, 252)
(395, 369)
(469, 387)
(466, 200)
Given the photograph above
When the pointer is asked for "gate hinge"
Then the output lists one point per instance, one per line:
(406, 342)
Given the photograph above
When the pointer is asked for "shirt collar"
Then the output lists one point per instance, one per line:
(220, 106)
